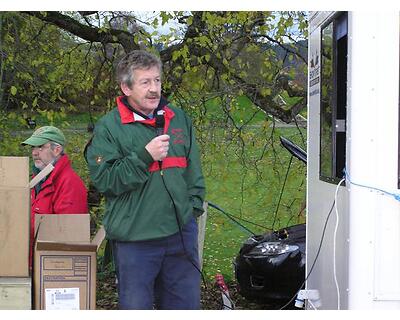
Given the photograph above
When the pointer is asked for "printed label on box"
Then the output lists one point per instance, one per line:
(62, 299)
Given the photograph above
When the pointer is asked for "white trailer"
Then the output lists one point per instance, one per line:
(353, 253)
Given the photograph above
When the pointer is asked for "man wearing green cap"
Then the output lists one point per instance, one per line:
(61, 191)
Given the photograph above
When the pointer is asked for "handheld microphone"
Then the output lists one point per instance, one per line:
(160, 123)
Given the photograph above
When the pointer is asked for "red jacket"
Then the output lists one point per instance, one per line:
(62, 192)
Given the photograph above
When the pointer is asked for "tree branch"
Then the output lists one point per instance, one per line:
(92, 34)
(197, 28)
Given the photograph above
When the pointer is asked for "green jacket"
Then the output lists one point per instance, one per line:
(138, 206)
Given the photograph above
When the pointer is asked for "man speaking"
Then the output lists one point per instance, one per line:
(150, 174)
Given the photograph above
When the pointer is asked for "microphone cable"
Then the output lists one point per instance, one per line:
(180, 232)
(184, 248)
(159, 126)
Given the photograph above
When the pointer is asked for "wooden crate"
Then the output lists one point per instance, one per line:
(15, 293)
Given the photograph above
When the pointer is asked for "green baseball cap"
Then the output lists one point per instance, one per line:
(44, 135)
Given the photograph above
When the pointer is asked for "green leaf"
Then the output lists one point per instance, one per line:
(13, 90)
(265, 92)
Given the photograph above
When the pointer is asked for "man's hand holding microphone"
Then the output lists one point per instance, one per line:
(158, 147)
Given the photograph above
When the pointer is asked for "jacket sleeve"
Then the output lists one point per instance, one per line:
(111, 172)
(193, 175)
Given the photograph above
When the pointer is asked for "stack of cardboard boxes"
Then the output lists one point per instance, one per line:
(64, 264)
(15, 281)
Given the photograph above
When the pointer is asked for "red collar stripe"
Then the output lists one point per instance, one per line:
(124, 112)
(169, 162)
(128, 117)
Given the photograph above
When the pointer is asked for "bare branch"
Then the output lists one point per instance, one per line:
(92, 34)
(86, 13)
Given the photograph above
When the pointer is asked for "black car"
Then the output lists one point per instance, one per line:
(270, 268)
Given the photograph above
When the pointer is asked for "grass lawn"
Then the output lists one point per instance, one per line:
(250, 191)
(244, 172)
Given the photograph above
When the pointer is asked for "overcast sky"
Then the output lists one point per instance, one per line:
(148, 16)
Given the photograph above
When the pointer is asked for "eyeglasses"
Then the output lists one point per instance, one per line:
(42, 147)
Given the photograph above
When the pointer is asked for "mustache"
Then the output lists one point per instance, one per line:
(153, 96)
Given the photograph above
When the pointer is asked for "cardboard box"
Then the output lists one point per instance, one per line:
(65, 262)
(15, 294)
(14, 216)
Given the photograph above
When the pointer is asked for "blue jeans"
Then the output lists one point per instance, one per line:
(159, 273)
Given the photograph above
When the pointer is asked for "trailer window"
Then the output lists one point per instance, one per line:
(333, 99)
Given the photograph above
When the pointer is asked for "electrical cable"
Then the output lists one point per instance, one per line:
(231, 217)
(312, 305)
(180, 232)
(394, 195)
(315, 259)
(281, 193)
(159, 125)
(184, 248)
(346, 178)
(319, 247)
(334, 244)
